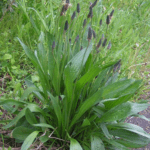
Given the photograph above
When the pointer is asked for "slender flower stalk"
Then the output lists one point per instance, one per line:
(94, 4)
(70, 40)
(109, 45)
(104, 43)
(100, 22)
(73, 15)
(103, 36)
(66, 26)
(66, 6)
(84, 23)
(94, 34)
(111, 14)
(107, 20)
(117, 66)
(99, 44)
(68, 1)
(53, 45)
(90, 15)
(77, 38)
(78, 8)
(62, 11)
(89, 34)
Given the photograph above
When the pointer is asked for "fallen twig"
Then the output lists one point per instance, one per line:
(139, 64)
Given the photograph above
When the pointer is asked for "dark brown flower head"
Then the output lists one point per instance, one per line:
(112, 12)
(66, 6)
(89, 34)
(94, 4)
(109, 45)
(99, 43)
(94, 34)
(103, 36)
(90, 4)
(60, 98)
(70, 40)
(98, 51)
(100, 22)
(104, 43)
(66, 26)
(117, 66)
(68, 1)
(108, 20)
(84, 23)
(62, 11)
(78, 8)
(90, 15)
(53, 45)
(77, 38)
(73, 15)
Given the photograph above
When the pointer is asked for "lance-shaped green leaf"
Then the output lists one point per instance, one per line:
(28, 91)
(28, 52)
(122, 111)
(141, 116)
(105, 131)
(16, 119)
(116, 113)
(130, 139)
(29, 140)
(74, 145)
(116, 144)
(12, 102)
(41, 19)
(88, 77)
(97, 143)
(91, 74)
(116, 88)
(57, 108)
(30, 117)
(69, 86)
(32, 107)
(85, 123)
(98, 81)
(21, 133)
(129, 127)
(137, 107)
(125, 95)
(78, 61)
(36, 92)
(86, 106)
(43, 125)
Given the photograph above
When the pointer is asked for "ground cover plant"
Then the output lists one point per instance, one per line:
(82, 102)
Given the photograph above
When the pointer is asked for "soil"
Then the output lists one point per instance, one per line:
(142, 123)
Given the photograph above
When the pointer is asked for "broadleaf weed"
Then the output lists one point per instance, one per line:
(81, 99)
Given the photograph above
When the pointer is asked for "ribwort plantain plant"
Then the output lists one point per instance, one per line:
(82, 103)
